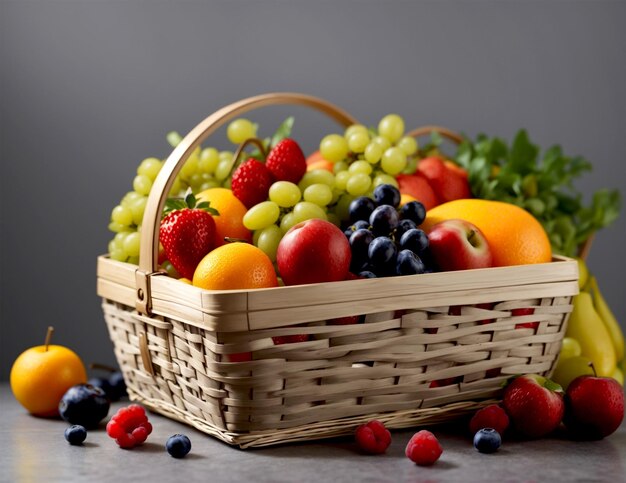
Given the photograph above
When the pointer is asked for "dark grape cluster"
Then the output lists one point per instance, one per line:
(386, 240)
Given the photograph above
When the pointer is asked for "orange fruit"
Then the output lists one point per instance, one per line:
(321, 164)
(229, 222)
(235, 266)
(41, 375)
(514, 235)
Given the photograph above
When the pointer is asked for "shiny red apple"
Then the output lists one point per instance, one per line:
(313, 251)
(594, 407)
(459, 245)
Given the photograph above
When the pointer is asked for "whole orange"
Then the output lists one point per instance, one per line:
(229, 222)
(235, 266)
(514, 235)
(41, 375)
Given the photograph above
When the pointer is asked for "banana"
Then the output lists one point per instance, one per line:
(586, 326)
(617, 337)
(583, 273)
(618, 375)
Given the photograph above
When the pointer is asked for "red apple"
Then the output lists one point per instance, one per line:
(534, 404)
(313, 251)
(594, 407)
(459, 245)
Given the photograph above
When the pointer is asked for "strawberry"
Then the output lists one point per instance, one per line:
(251, 182)
(187, 233)
(286, 161)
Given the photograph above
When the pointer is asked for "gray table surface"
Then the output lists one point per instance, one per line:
(34, 449)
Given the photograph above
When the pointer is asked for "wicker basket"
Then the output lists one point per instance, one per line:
(423, 354)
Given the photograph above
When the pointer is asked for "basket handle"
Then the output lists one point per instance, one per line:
(149, 245)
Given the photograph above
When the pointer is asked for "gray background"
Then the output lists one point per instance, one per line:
(88, 89)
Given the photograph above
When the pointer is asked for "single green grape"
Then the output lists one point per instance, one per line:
(392, 127)
(142, 184)
(223, 169)
(336, 194)
(358, 184)
(316, 176)
(150, 167)
(189, 168)
(261, 215)
(341, 180)
(318, 193)
(209, 159)
(226, 155)
(129, 198)
(122, 215)
(570, 347)
(131, 244)
(239, 130)
(383, 178)
(360, 167)
(284, 193)
(334, 148)
(408, 144)
(268, 240)
(393, 161)
(340, 166)
(118, 228)
(383, 142)
(354, 129)
(305, 210)
(358, 141)
(118, 254)
(138, 207)
(288, 220)
(119, 238)
(373, 153)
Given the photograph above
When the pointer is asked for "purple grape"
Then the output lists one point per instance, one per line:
(361, 208)
(415, 240)
(387, 194)
(384, 220)
(413, 210)
(408, 263)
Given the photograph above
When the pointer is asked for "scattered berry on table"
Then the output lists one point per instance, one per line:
(84, 404)
(75, 434)
(423, 448)
(178, 445)
(373, 437)
(487, 440)
(286, 161)
(492, 416)
(129, 427)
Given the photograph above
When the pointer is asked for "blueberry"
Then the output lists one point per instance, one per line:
(403, 227)
(178, 445)
(382, 253)
(487, 440)
(384, 220)
(408, 263)
(413, 210)
(361, 208)
(387, 194)
(84, 404)
(415, 240)
(75, 434)
(118, 386)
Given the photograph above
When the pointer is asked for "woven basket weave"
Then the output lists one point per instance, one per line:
(431, 347)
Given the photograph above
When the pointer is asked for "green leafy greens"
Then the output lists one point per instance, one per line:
(543, 185)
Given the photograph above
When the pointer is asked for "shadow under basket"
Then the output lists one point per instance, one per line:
(425, 349)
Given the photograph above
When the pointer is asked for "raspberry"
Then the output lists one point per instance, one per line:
(423, 448)
(129, 427)
(492, 416)
(373, 437)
